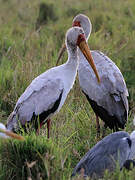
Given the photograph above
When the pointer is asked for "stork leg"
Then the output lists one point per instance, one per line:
(38, 130)
(104, 130)
(98, 126)
(48, 127)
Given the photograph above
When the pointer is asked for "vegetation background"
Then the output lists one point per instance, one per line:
(31, 34)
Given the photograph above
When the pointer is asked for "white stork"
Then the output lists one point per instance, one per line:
(47, 93)
(4, 133)
(109, 98)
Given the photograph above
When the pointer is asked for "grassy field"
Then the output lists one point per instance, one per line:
(30, 40)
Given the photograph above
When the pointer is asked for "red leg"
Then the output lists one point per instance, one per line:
(38, 130)
(48, 127)
(98, 125)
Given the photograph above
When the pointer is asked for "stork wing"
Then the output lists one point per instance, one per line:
(40, 96)
(104, 154)
(112, 87)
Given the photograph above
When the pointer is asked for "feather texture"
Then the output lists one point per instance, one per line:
(111, 94)
(47, 93)
(114, 148)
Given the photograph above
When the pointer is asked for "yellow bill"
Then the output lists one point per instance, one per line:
(11, 134)
(86, 52)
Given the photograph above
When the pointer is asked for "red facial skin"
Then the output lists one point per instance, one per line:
(81, 38)
(76, 23)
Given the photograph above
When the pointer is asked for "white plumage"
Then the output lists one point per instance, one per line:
(47, 93)
(112, 86)
(3, 135)
(109, 98)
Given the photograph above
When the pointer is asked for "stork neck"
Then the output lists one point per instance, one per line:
(73, 58)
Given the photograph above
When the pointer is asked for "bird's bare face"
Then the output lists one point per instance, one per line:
(83, 21)
(76, 37)
(73, 36)
(79, 21)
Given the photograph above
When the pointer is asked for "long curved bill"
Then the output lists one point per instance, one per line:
(86, 52)
(12, 135)
(61, 52)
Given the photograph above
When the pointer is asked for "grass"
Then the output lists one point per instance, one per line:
(26, 52)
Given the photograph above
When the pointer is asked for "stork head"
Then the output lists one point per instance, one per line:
(4, 133)
(2, 126)
(75, 37)
(83, 21)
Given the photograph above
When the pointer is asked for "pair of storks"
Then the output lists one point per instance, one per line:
(47, 93)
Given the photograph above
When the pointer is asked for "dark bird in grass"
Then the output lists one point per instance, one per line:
(129, 164)
(47, 93)
(109, 98)
(115, 149)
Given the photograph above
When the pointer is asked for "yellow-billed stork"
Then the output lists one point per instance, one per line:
(109, 98)
(4, 133)
(47, 93)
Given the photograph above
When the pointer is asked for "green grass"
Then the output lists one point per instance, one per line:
(26, 52)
